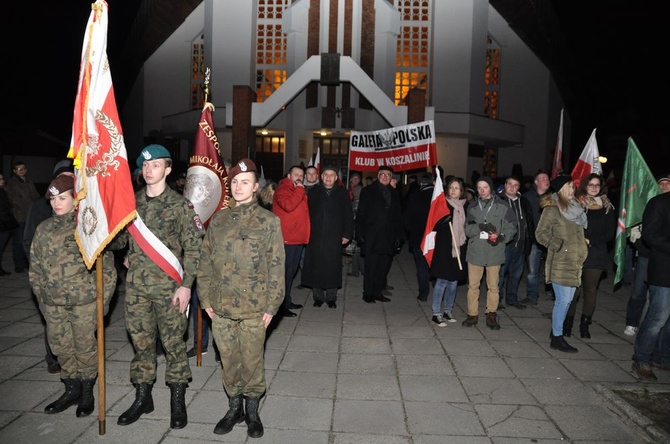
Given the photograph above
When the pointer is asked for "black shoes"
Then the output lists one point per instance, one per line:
(369, 300)
(235, 415)
(318, 303)
(293, 306)
(4, 272)
(528, 301)
(288, 314)
(382, 299)
(559, 343)
(19, 270)
(422, 298)
(518, 305)
(86, 400)
(191, 353)
(67, 399)
(178, 416)
(332, 304)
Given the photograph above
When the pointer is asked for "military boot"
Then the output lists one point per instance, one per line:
(86, 401)
(178, 417)
(567, 325)
(235, 415)
(67, 399)
(584, 323)
(254, 425)
(143, 403)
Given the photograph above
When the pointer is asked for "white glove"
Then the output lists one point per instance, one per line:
(635, 233)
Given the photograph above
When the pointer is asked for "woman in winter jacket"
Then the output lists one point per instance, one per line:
(561, 231)
(601, 229)
(448, 264)
(66, 292)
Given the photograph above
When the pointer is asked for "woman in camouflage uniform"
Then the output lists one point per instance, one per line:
(241, 287)
(66, 291)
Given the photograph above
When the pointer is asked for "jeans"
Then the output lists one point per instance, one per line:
(654, 332)
(422, 273)
(444, 288)
(534, 264)
(638, 294)
(513, 268)
(293, 253)
(564, 296)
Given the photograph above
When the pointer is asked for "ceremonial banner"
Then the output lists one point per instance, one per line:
(104, 191)
(206, 178)
(402, 148)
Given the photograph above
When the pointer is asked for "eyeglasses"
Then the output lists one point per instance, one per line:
(594, 185)
(386, 174)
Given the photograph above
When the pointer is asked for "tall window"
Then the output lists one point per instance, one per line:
(413, 48)
(492, 78)
(197, 73)
(270, 48)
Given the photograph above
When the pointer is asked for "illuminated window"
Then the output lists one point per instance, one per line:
(492, 79)
(270, 48)
(197, 73)
(270, 144)
(413, 48)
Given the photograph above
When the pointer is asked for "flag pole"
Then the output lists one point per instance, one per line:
(198, 313)
(100, 309)
(454, 246)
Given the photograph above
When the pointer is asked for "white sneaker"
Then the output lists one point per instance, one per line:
(630, 330)
(437, 319)
(447, 317)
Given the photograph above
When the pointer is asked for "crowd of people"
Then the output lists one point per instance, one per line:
(240, 268)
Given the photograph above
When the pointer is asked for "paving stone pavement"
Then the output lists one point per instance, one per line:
(359, 373)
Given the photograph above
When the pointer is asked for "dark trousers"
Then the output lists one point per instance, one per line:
(374, 275)
(18, 253)
(422, 272)
(293, 253)
(589, 291)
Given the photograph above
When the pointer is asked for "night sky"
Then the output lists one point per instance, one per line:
(619, 51)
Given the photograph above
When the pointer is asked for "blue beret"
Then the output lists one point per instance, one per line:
(151, 152)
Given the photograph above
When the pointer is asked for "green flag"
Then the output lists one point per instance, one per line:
(637, 187)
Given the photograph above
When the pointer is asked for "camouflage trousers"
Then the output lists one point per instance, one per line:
(71, 336)
(150, 313)
(241, 344)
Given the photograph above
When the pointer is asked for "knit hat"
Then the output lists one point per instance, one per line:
(331, 168)
(664, 178)
(60, 185)
(243, 166)
(151, 152)
(560, 181)
(385, 168)
(488, 180)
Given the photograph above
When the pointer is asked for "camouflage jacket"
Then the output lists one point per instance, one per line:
(173, 220)
(241, 273)
(58, 275)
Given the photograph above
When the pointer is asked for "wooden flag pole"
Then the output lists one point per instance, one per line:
(100, 310)
(454, 246)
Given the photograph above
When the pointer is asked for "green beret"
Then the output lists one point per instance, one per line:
(151, 152)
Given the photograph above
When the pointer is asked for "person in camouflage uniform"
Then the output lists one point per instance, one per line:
(66, 291)
(241, 287)
(155, 303)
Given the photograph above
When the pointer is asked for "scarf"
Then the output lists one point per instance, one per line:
(575, 213)
(458, 224)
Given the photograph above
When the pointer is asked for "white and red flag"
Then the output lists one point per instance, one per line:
(557, 165)
(317, 162)
(104, 191)
(206, 179)
(438, 210)
(588, 161)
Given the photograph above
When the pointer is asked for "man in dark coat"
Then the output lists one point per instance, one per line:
(415, 217)
(379, 230)
(332, 226)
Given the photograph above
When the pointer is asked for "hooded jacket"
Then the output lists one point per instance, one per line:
(566, 246)
(500, 215)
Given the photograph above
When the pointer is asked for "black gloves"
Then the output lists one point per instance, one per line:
(488, 227)
(494, 237)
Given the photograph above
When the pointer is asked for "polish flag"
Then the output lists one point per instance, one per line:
(104, 191)
(557, 166)
(438, 210)
(588, 161)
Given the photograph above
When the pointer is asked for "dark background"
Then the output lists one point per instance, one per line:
(615, 74)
